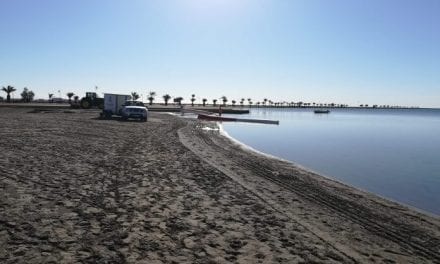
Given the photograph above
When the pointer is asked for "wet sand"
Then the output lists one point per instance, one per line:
(74, 188)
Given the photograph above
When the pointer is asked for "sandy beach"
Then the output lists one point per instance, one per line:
(74, 188)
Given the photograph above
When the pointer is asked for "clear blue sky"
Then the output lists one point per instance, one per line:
(342, 51)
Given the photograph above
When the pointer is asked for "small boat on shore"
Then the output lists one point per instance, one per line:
(321, 111)
(231, 119)
(215, 118)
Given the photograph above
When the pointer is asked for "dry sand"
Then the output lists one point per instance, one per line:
(74, 188)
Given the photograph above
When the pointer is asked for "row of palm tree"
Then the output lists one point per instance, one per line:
(27, 96)
(265, 102)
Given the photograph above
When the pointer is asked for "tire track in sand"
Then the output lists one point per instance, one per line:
(412, 239)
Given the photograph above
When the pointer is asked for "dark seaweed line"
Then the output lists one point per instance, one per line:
(329, 201)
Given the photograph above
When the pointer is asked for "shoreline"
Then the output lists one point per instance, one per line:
(302, 167)
(383, 207)
(173, 191)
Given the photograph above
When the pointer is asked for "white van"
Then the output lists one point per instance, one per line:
(113, 104)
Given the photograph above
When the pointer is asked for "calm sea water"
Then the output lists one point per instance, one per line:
(393, 153)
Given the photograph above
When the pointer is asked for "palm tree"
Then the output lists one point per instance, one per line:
(70, 94)
(8, 90)
(214, 102)
(249, 102)
(242, 102)
(193, 98)
(50, 97)
(264, 101)
(233, 102)
(224, 100)
(151, 96)
(166, 98)
(135, 95)
(204, 101)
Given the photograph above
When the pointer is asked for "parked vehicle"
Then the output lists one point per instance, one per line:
(137, 112)
(113, 104)
(90, 100)
(122, 105)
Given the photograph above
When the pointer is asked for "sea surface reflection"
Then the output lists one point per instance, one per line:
(390, 152)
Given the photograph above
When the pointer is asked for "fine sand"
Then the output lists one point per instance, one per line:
(74, 188)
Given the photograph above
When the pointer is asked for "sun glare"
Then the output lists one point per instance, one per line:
(210, 8)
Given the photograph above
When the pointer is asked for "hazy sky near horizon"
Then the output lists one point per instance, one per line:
(341, 51)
